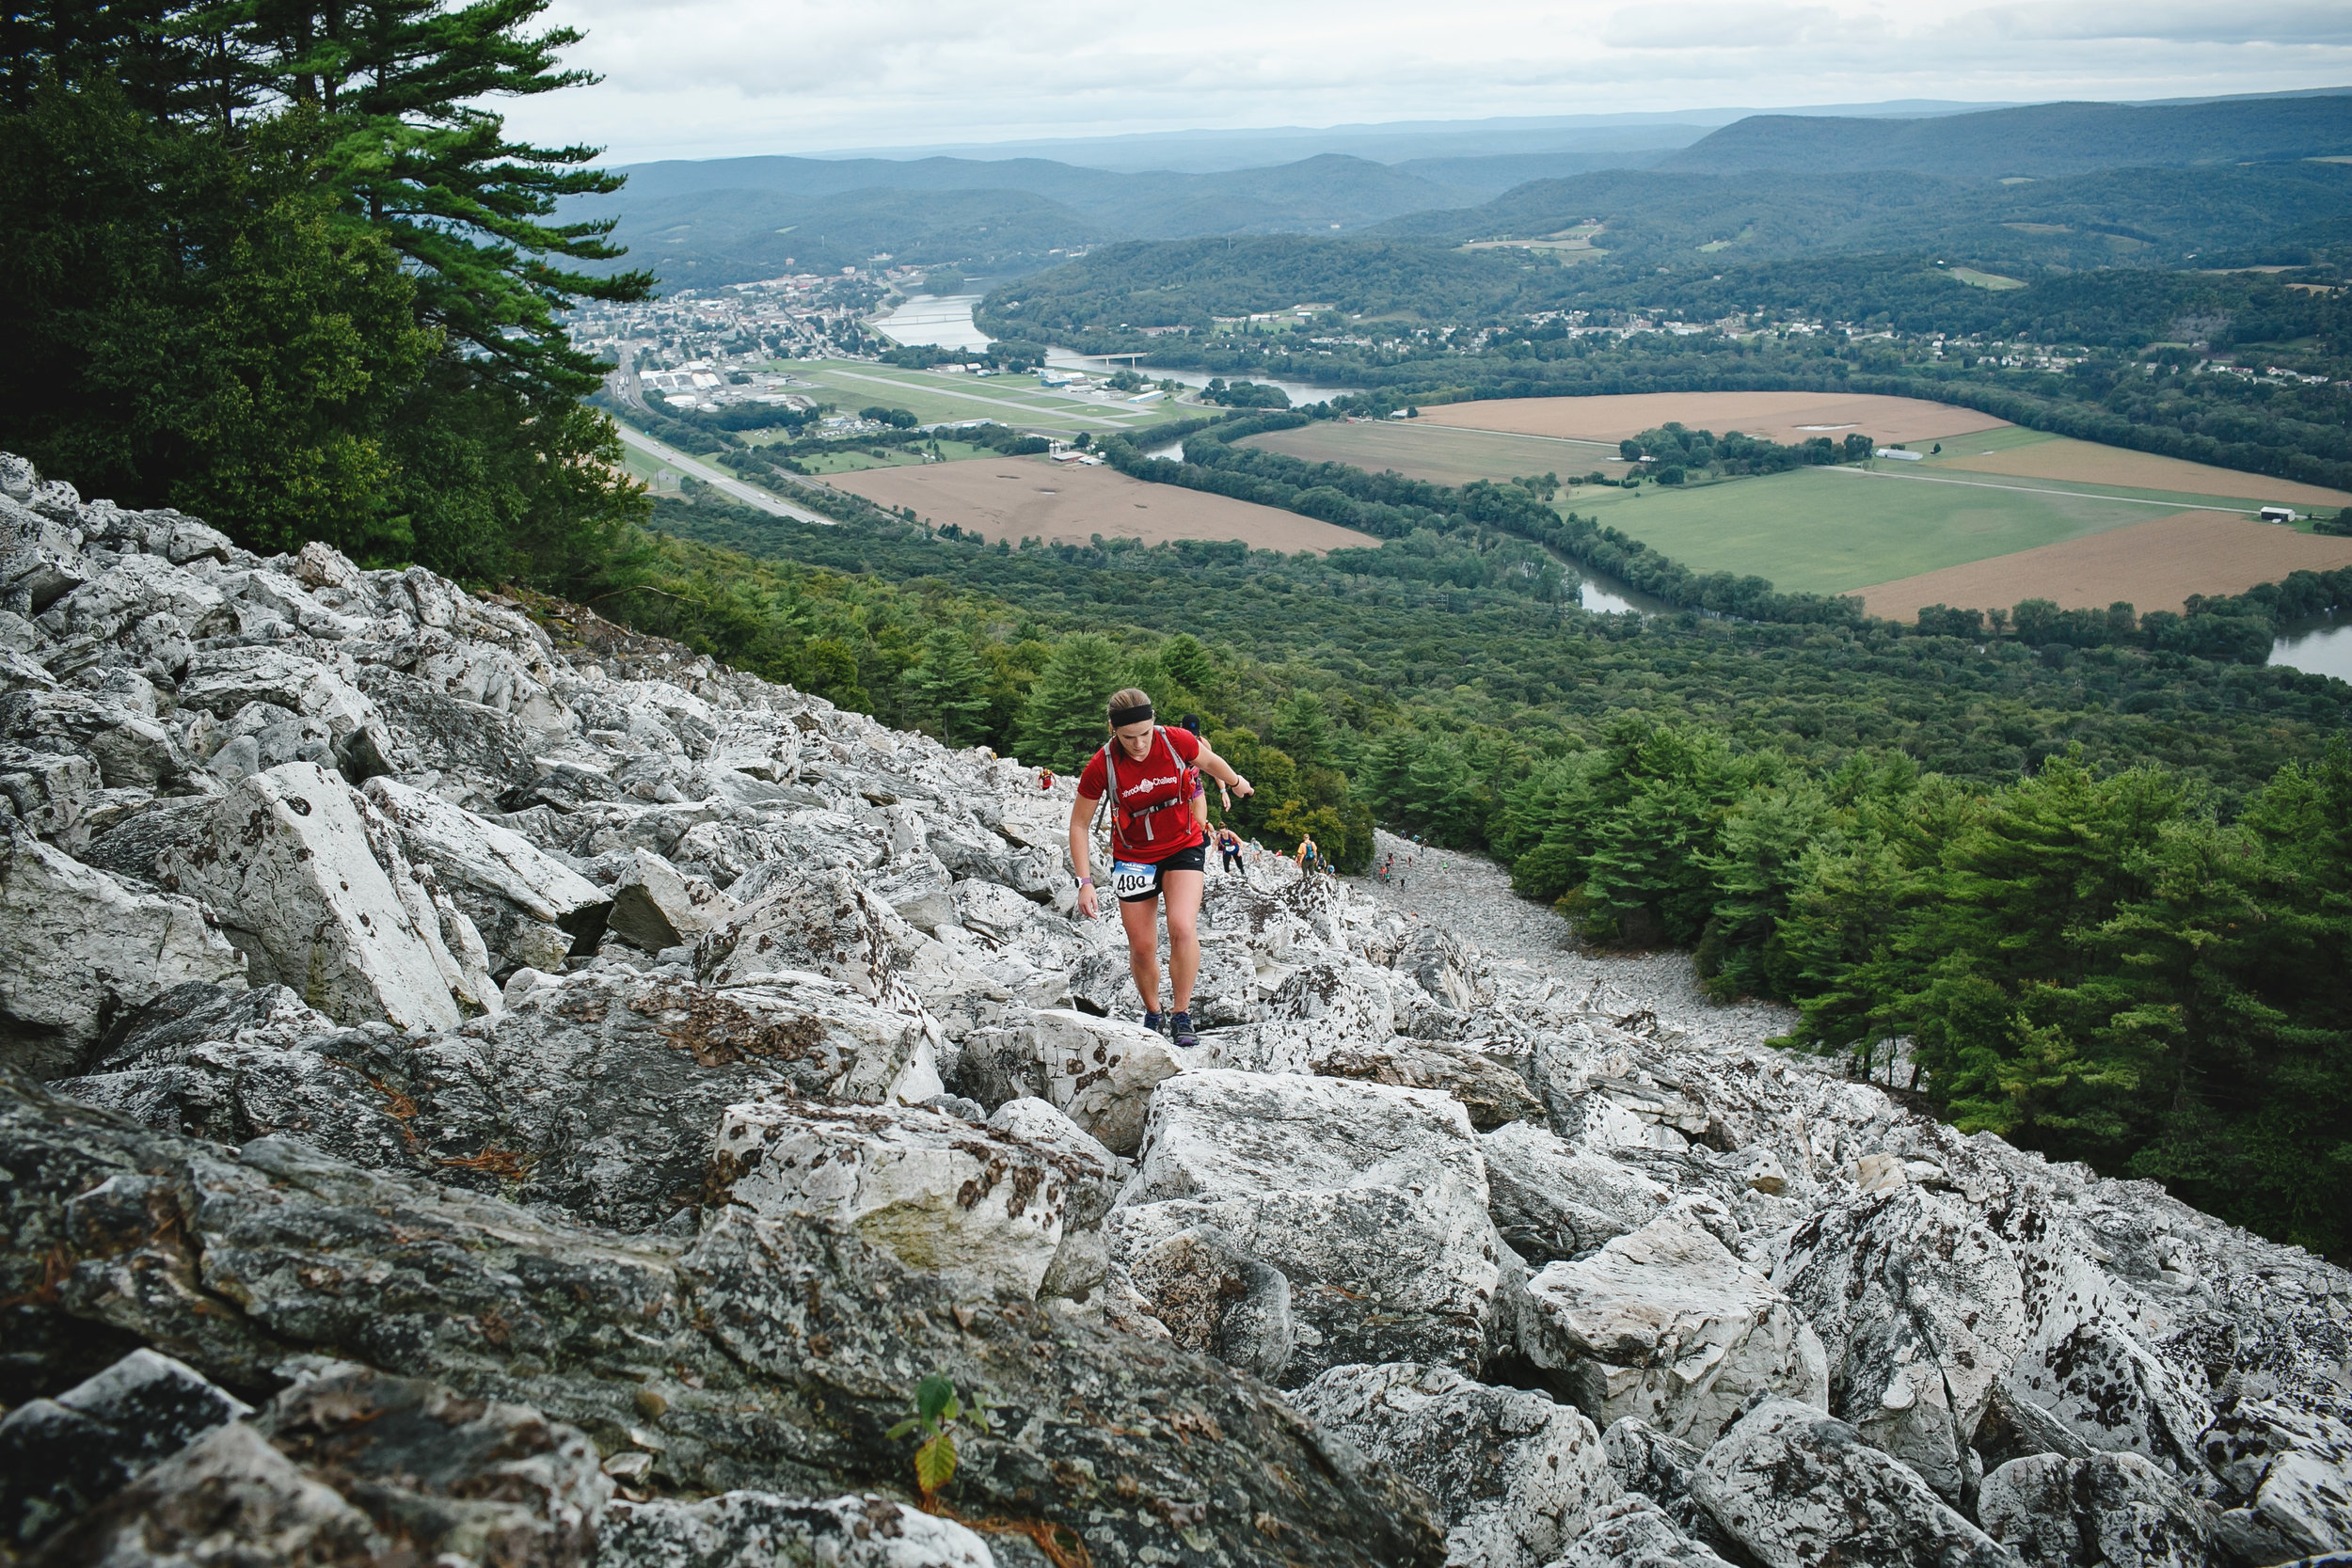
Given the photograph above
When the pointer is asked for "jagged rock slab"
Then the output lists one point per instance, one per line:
(1798, 1488)
(58, 1457)
(775, 1351)
(285, 858)
(1666, 1324)
(1213, 1296)
(656, 908)
(1516, 1475)
(1100, 1073)
(1371, 1200)
(78, 951)
(1492, 1093)
(821, 921)
(350, 1465)
(509, 878)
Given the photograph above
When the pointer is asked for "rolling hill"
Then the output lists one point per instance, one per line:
(2039, 141)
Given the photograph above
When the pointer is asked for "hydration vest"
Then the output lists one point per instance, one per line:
(1124, 822)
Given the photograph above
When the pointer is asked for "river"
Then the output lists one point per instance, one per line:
(945, 320)
(2321, 645)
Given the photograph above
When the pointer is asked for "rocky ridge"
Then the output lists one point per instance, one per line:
(483, 1085)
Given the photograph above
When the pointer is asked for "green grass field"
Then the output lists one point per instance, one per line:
(1829, 531)
(893, 457)
(1441, 454)
(933, 398)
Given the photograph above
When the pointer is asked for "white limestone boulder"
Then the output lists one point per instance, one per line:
(941, 1194)
(1371, 1200)
(508, 883)
(763, 1529)
(656, 908)
(1100, 1073)
(822, 921)
(1492, 1093)
(79, 950)
(50, 793)
(1665, 1323)
(222, 680)
(1515, 1477)
(1798, 1488)
(1553, 1201)
(2117, 1509)
(1634, 1533)
(284, 859)
(1920, 1309)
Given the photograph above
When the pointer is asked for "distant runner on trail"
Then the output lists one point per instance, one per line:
(1151, 776)
(1308, 852)
(1228, 848)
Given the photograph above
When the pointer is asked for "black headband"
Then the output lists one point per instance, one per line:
(1130, 715)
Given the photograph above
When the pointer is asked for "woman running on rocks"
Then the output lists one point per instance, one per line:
(1151, 776)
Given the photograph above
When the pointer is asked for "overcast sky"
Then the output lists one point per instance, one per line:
(714, 78)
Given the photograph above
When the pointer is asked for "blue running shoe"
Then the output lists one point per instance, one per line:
(1155, 1022)
(1180, 1029)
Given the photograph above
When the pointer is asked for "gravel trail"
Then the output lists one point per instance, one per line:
(1471, 896)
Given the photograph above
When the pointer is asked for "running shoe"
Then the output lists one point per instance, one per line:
(1155, 1022)
(1180, 1029)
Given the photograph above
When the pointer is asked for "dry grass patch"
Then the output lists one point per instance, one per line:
(2152, 565)
(1024, 498)
(1787, 416)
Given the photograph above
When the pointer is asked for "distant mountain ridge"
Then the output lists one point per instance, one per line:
(2038, 141)
(2092, 186)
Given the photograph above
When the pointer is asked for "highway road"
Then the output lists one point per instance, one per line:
(717, 477)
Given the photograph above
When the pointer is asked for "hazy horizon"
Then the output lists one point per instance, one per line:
(699, 79)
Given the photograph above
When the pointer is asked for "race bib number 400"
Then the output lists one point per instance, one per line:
(1131, 881)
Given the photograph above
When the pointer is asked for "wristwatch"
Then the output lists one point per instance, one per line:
(1084, 881)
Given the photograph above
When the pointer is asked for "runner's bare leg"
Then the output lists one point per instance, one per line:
(1182, 889)
(1142, 923)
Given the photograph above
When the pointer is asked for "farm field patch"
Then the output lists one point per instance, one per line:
(2066, 460)
(1787, 416)
(2152, 565)
(1020, 498)
(1832, 530)
(936, 399)
(1438, 455)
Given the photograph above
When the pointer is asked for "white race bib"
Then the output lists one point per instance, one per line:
(1131, 881)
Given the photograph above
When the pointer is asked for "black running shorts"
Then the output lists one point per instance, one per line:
(1194, 859)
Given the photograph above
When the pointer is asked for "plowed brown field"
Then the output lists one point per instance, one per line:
(1021, 498)
(2085, 462)
(1778, 416)
(2150, 565)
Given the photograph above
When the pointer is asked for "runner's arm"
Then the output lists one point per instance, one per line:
(1081, 831)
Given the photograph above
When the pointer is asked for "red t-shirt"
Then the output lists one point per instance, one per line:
(1155, 780)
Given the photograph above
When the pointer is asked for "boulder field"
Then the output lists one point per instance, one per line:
(481, 1086)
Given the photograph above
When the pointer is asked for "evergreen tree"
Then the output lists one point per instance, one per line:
(1064, 720)
(950, 687)
(282, 266)
(1302, 727)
